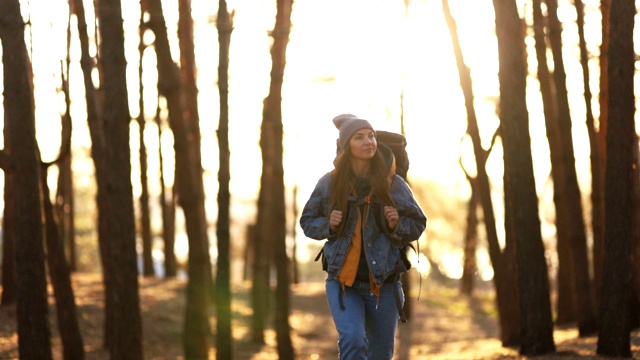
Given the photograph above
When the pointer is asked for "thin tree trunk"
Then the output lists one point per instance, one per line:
(167, 208)
(505, 282)
(576, 233)
(615, 315)
(521, 201)
(565, 308)
(274, 221)
(470, 267)
(189, 185)
(224, 341)
(60, 275)
(34, 334)
(120, 232)
(98, 145)
(295, 266)
(599, 157)
(145, 218)
(64, 204)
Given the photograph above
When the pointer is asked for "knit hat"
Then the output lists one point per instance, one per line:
(348, 124)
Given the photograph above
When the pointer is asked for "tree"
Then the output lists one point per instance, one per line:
(64, 199)
(572, 202)
(223, 289)
(503, 261)
(565, 309)
(94, 121)
(145, 217)
(521, 202)
(126, 336)
(615, 314)
(271, 205)
(34, 334)
(189, 185)
(598, 147)
(168, 210)
(59, 271)
(9, 286)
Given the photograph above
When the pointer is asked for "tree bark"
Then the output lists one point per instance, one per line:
(126, 342)
(521, 201)
(272, 223)
(615, 315)
(145, 217)
(501, 260)
(60, 275)
(167, 208)
(576, 233)
(224, 341)
(34, 334)
(598, 146)
(565, 308)
(189, 185)
(9, 286)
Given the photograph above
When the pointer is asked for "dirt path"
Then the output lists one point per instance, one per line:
(443, 325)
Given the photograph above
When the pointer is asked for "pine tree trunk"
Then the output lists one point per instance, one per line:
(189, 185)
(224, 341)
(126, 341)
(34, 334)
(615, 315)
(501, 260)
(273, 205)
(576, 233)
(521, 201)
(60, 275)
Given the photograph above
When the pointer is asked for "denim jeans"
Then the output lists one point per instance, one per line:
(366, 327)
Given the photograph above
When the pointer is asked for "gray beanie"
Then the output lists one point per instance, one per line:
(348, 124)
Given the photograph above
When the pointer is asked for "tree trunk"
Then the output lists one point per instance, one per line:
(98, 153)
(615, 315)
(145, 218)
(576, 233)
(34, 335)
(504, 281)
(64, 204)
(598, 147)
(168, 210)
(224, 341)
(120, 232)
(189, 185)
(565, 309)
(470, 267)
(274, 222)
(521, 201)
(60, 275)
(9, 286)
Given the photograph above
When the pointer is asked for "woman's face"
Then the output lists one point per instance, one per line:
(363, 144)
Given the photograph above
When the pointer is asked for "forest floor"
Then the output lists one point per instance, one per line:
(443, 325)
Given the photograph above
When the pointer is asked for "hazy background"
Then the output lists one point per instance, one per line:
(354, 56)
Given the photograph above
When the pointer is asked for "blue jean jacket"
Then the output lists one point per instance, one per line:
(381, 245)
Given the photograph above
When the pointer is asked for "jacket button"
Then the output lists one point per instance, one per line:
(373, 262)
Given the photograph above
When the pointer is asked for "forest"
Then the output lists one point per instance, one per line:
(156, 156)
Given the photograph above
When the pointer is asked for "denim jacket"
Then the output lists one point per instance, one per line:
(381, 245)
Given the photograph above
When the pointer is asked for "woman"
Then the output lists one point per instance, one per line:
(367, 213)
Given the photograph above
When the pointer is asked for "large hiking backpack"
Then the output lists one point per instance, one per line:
(398, 144)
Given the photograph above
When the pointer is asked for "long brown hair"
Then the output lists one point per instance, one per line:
(343, 181)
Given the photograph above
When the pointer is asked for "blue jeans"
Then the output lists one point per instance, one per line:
(366, 327)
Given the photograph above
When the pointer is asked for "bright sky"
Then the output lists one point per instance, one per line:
(344, 56)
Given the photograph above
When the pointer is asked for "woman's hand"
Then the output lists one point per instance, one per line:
(391, 214)
(335, 219)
